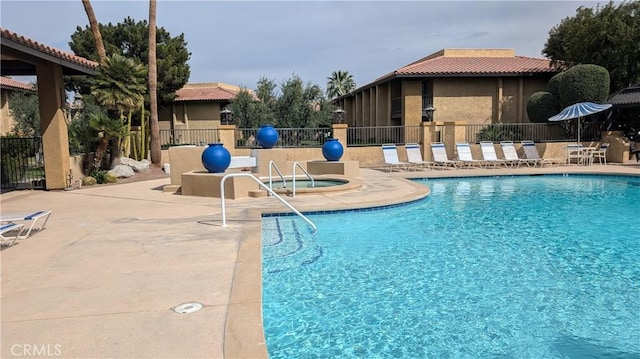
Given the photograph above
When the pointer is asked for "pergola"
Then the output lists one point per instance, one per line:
(24, 57)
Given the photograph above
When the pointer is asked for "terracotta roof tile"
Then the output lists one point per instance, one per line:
(204, 94)
(446, 66)
(628, 96)
(12, 84)
(12, 36)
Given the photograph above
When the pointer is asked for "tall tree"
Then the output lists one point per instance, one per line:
(607, 36)
(131, 39)
(299, 105)
(340, 83)
(25, 110)
(95, 30)
(156, 151)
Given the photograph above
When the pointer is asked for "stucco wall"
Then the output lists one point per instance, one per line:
(470, 100)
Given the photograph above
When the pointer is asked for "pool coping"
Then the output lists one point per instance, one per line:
(244, 334)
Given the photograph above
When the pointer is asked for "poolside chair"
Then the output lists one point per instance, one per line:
(575, 151)
(15, 229)
(391, 160)
(511, 155)
(489, 155)
(414, 156)
(440, 157)
(33, 217)
(601, 153)
(531, 152)
(465, 156)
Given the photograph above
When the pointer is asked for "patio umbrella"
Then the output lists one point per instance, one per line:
(578, 111)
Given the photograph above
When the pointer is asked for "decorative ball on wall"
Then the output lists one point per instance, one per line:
(267, 136)
(216, 158)
(332, 150)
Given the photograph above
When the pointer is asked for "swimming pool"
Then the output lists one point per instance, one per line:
(530, 267)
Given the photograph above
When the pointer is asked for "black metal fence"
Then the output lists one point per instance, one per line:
(288, 137)
(537, 132)
(22, 163)
(200, 137)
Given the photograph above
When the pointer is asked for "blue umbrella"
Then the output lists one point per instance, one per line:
(579, 110)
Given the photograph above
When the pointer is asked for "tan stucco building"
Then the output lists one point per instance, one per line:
(198, 106)
(478, 86)
(7, 87)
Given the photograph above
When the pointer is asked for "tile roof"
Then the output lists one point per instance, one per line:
(11, 84)
(627, 96)
(56, 53)
(214, 91)
(470, 66)
(471, 63)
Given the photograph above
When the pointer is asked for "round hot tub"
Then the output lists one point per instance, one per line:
(319, 185)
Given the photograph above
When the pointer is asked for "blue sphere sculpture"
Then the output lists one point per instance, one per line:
(216, 158)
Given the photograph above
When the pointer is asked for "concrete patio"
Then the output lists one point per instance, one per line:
(102, 279)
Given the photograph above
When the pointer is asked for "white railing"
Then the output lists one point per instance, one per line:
(274, 166)
(269, 190)
(293, 177)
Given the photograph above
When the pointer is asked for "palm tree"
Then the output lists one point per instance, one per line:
(119, 86)
(95, 29)
(108, 129)
(156, 152)
(340, 83)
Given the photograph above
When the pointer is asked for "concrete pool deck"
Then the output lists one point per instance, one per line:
(104, 276)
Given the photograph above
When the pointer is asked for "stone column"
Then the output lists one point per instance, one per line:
(228, 137)
(340, 132)
(430, 134)
(55, 138)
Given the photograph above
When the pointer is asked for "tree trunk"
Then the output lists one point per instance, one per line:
(156, 152)
(95, 29)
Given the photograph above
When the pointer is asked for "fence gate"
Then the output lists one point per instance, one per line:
(22, 163)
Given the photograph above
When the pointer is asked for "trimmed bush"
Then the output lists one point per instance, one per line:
(584, 83)
(541, 106)
(110, 177)
(553, 86)
(88, 181)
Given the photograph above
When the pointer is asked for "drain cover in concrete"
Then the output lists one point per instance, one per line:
(187, 308)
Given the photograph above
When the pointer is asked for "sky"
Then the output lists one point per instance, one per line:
(238, 42)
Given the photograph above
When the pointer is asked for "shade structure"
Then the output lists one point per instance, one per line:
(578, 111)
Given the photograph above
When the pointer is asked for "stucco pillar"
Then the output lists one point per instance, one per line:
(449, 137)
(430, 134)
(55, 138)
(412, 102)
(228, 137)
(340, 132)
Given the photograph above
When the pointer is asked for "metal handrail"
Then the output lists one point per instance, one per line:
(272, 164)
(222, 198)
(293, 176)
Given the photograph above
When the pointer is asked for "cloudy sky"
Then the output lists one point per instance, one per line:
(238, 42)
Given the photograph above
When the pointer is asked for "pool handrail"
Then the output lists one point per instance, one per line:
(293, 177)
(273, 165)
(260, 183)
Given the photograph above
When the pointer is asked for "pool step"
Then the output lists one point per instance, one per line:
(284, 247)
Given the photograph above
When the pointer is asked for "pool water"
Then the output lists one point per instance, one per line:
(530, 267)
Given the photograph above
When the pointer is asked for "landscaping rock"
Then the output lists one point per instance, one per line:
(122, 171)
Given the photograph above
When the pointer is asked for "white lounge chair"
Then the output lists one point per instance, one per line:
(531, 152)
(414, 156)
(511, 155)
(465, 156)
(15, 229)
(33, 217)
(490, 156)
(440, 157)
(390, 153)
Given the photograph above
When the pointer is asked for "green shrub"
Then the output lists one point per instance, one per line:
(99, 175)
(541, 106)
(584, 83)
(110, 177)
(553, 86)
(88, 181)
